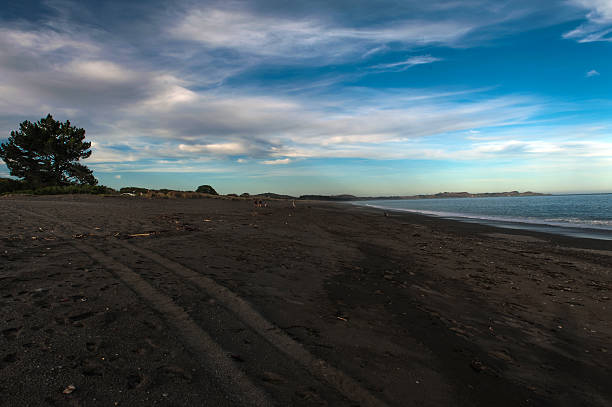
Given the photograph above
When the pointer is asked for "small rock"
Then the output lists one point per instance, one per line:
(237, 358)
(69, 389)
(477, 365)
(272, 377)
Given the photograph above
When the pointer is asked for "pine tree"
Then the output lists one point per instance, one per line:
(47, 153)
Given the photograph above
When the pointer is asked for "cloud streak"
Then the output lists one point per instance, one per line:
(310, 37)
(598, 26)
(408, 63)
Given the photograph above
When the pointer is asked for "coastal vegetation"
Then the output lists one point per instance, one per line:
(8, 185)
(44, 157)
(47, 153)
(206, 189)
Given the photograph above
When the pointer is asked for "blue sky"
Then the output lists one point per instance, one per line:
(363, 97)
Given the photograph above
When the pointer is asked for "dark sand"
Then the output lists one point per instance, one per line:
(324, 304)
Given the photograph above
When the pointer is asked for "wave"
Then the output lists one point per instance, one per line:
(598, 224)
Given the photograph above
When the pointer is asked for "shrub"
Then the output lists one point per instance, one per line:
(69, 189)
(206, 189)
(133, 190)
(11, 185)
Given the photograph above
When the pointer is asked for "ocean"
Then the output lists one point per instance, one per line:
(587, 216)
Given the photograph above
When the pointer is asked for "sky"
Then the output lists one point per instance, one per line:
(321, 97)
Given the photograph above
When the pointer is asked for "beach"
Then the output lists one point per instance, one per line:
(178, 302)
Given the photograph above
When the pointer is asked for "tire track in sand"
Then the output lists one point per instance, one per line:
(319, 368)
(238, 387)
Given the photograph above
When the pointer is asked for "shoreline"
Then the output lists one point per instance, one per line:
(580, 231)
(465, 227)
(415, 310)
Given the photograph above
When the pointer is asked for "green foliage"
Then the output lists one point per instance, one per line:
(206, 189)
(11, 185)
(70, 189)
(46, 153)
(133, 190)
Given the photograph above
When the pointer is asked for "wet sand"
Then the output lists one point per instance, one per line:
(214, 302)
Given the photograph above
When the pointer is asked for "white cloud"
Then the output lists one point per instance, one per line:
(99, 70)
(599, 21)
(571, 148)
(44, 41)
(591, 73)
(231, 148)
(103, 153)
(408, 63)
(280, 161)
(174, 117)
(307, 37)
(160, 115)
(47, 71)
(326, 33)
(170, 91)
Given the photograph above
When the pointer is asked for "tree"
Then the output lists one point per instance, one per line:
(207, 189)
(47, 153)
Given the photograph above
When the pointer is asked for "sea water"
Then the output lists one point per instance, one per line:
(572, 215)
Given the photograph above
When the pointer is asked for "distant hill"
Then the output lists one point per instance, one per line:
(344, 197)
(337, 198)
(431, 196)
(470, 195)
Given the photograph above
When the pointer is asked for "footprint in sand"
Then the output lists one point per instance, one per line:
(92, 346)
(12, 333)
(81, 316)
(10, 358)
(135, 380)
(172, 373)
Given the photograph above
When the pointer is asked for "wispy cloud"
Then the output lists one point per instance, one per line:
(599, 21)
(573, 148)
(307, 37)
(408, 63)
(161, 115)
(215, 148)
(255, 32)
